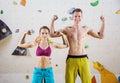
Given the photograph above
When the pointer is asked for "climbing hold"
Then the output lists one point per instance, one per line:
(17, 30)
(86, 46)
(39, 10)
(27, 77)
(70, 11)
(1, 11)
(106, 75)
(119, 78)
(32, 31)
(49, 41)
(23, 2)
(37, 39)
(94, 79)
(117, 12)
(70, 18)
(94, 3)
(64, 19)
(14, 3)
(19, 51)
(56, 65)
(4, 30)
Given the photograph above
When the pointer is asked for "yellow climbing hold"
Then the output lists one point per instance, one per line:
(117, 12)
(4, 30)
(49, 40)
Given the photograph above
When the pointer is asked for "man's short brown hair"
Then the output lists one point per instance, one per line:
(77, 10)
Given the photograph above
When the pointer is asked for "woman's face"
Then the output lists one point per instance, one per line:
(44, 33)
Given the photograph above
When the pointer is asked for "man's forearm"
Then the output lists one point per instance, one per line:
(54, 33)
(52, 30)
(101, 32)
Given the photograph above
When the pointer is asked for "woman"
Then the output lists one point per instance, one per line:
(43, 69)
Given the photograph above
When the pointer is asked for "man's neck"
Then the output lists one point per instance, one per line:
(76, 25)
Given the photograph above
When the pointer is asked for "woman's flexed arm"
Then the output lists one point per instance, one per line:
(24, 44)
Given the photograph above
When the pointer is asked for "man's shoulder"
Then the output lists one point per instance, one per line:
(84, 26)
(69, 26)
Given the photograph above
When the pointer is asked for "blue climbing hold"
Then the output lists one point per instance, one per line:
(119, 78)
(70, 11)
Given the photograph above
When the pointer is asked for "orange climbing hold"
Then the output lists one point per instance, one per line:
(37, 39)
(94, 79)
(23, 2)
(106, 75)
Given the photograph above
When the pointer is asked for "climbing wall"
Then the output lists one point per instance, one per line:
(18, 16)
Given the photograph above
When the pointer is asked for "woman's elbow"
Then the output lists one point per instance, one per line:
(19, 45)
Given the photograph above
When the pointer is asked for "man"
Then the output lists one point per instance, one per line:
(77, 61)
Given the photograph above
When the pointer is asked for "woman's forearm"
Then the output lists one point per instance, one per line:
(22, 40)
(65, 42)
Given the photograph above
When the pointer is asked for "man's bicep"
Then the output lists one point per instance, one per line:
(55, 34)
(62, 31)
(93, 33)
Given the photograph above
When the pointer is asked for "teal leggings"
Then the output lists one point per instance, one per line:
(43, 74)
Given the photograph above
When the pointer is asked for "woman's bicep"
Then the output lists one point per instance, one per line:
(27, 45)
(58, 45)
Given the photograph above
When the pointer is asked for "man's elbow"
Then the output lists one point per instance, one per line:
(101, 37)
(67, 45)
(52, 35)
(55, 34)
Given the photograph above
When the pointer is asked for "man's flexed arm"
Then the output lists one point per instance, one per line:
(54, 33)
(100, 34)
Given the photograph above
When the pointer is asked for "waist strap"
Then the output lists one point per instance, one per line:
(78, 56)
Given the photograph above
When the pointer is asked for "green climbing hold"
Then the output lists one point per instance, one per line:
(64, 19)
(86, 46)
(94, 3)
(1, 11)
(49, 41)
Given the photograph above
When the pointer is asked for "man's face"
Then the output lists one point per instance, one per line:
(77, 16)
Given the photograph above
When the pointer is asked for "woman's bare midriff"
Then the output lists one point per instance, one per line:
(42, 62)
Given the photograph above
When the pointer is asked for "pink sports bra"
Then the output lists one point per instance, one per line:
(41, 52)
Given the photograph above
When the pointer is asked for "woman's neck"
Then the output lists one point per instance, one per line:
(44, 40)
